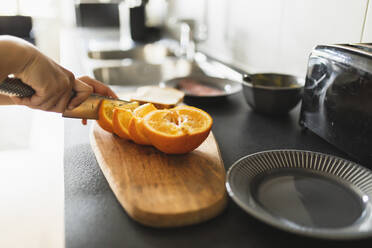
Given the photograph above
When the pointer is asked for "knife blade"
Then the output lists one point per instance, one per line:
(86, 110)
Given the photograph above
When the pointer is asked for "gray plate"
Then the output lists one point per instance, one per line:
(304, 192)
(229, 87)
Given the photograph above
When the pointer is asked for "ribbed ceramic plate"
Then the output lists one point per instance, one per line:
(304, 192)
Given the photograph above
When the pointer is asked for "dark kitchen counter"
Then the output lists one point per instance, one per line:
(94, 218)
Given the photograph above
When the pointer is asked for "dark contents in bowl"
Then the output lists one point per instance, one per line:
(193, 87)
(273, 80)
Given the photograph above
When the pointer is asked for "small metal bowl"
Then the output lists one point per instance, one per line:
(273, 94)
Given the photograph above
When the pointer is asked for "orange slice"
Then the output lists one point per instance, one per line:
(120, 122)
(178, 130)
(105, 112)
(135, 128)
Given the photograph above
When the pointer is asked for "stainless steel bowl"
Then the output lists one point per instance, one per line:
(273, 94)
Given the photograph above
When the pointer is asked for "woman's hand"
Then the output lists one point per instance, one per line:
(52, 83)
(98, 88)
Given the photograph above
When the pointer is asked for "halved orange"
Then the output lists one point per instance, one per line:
(178, 130)
(135, 129)
(120, 121)
(105, 112)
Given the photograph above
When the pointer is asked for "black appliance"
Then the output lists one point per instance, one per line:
(337, 98)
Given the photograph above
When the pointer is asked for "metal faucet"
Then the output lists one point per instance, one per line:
(190, 32)
(187, 43)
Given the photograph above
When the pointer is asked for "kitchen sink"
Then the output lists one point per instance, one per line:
(143, 73)
(151, 53)
(152, 64)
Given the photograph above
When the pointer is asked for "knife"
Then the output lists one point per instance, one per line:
(86, 110)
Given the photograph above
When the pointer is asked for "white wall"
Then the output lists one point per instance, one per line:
(278, 35)
(47, 28)
(367, 35)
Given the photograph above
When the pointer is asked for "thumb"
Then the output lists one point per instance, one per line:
(82, 90)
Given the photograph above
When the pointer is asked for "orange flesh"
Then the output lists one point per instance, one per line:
(121, 120)
(179, 130)
(179, 121)
(173, 131)
(105, 112)
(135, 124)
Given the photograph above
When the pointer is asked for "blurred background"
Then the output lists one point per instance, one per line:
(48, 17)
(257, 35)
(253, 35)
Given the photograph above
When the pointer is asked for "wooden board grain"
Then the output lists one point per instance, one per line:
(162, 190)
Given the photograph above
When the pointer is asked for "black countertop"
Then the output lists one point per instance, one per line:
(94, 218)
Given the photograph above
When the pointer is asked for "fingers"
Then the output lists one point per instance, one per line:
(32, 102)
(54, 94)
(83, 91)
(63, 102)
(98, 87)
(51, 82)
(50, 102)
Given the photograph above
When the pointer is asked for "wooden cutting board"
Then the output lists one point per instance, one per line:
(162, 190)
